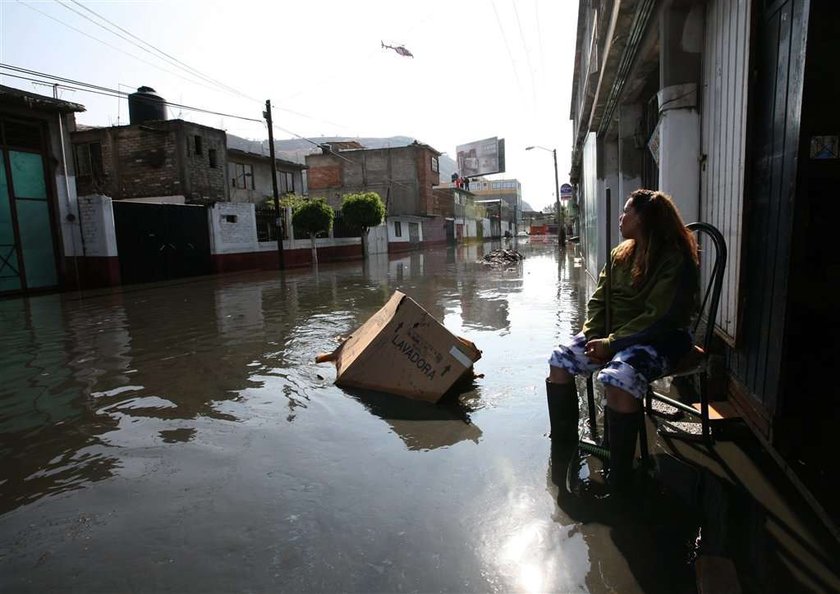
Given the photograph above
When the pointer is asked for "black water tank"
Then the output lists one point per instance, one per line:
(146, 105)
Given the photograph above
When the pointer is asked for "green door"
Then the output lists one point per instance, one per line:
(27, 249)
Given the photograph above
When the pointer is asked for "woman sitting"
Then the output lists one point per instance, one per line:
(653, 295)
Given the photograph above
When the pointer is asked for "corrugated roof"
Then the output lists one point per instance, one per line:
(12, 96)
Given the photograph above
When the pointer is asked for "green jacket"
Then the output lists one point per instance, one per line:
(665, 302)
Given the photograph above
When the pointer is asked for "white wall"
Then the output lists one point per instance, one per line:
(589, 191)
(725, 72)
(97, 223)
(679, 148)
(233, 228)
(404, 221)
(377, 240)
(470, 229)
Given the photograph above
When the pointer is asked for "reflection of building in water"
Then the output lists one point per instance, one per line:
(485, 297)
(239, 311)
(50, 428)
(485, 311)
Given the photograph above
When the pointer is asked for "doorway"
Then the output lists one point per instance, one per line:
(28, 258)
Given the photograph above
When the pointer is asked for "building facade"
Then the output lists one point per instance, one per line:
(40, 240)
(249, 174)
(152, 159)
(463, 217)
(727, 106)
(403, 176)
(509, 190)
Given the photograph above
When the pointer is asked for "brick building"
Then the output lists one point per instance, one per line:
(404, 176)
(152, 159)
(464, 218)
(40, 240)
(509, 190)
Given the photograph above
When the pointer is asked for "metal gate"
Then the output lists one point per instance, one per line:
(161, 241)
(28, 250)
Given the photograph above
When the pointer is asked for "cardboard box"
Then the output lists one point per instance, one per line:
(403, 350)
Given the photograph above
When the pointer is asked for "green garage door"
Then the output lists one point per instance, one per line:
(27, 249)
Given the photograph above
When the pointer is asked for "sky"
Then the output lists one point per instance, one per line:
(481, 68)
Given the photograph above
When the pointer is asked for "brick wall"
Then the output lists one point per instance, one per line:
(324, 177)
(158, 159)
(146, 161)
(443, 202)
(105, 182)
(426, 179)
(204, 178)
(405, 171)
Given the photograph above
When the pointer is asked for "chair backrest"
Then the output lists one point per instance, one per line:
(710, 296)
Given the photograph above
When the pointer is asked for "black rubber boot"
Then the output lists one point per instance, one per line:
(623, 432)
(563, 411)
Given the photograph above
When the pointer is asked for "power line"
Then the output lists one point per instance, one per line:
(60, 22)
(123, 37)
(179, 75)
(527, 55)
(91, 88)
(337, 155)
(172, 58)
(75, 85)
(507, 45)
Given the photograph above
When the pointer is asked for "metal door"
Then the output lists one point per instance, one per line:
(28, 258)
(161, 241)
(414, 232)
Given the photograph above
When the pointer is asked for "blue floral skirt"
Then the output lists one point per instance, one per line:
(630, 369)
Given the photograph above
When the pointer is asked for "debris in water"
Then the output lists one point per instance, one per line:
(403, 350)
(502, 258)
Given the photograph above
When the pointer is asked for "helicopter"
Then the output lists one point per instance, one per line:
(400, 49)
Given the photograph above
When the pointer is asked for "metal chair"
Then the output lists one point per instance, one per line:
(696, 362)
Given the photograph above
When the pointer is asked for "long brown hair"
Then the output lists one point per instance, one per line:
(663, 230)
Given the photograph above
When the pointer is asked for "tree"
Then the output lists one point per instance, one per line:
(363, 211)
(313, 217)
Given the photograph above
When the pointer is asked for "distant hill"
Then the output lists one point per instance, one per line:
(296, 149)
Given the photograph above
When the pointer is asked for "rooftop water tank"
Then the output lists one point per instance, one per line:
(146, 105)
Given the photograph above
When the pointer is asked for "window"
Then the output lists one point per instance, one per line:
(211, 154)
(286, 182)
(197, 144)
(241, 176)
(397, 229)
(89, 160)
(435, 165)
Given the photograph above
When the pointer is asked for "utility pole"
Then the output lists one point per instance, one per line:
(560, 232)
(279, 219)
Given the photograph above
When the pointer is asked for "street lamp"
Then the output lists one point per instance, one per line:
(556, 187)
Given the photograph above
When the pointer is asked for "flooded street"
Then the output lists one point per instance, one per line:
(180, 438)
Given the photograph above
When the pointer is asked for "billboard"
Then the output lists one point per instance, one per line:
(482, 157)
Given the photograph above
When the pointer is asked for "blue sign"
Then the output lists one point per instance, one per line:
(566, 191)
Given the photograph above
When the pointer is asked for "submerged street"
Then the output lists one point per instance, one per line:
(180, 438)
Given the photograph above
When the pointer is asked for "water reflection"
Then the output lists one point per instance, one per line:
(180, 437)
(50, 438)
(423, 426)
(690, 515)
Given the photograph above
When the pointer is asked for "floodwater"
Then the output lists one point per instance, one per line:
(179, 438)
